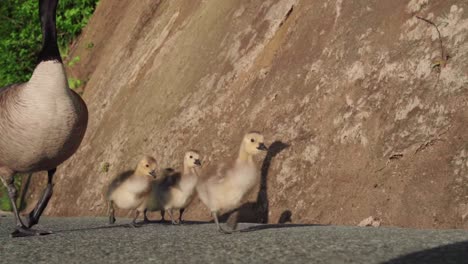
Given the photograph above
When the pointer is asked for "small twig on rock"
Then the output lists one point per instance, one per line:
(439, 63)
(444, 57)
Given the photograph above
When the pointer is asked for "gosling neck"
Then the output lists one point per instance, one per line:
(139, 172)
(188, 170)
(244, 156)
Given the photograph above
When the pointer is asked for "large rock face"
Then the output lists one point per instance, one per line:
(375, 118)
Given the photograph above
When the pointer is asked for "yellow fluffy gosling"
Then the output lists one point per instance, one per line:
(227, 185)
(176, 191)
(130, 190)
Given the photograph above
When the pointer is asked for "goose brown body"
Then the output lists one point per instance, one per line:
(42, 122)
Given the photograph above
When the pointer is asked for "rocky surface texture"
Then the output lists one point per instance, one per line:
(368, 113)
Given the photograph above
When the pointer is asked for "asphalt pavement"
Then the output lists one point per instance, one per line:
(91, 240)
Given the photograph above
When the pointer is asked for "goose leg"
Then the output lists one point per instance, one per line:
(111, 213)
(172, 218)
(12, 194)
(21, 230)
(145, 216)
(34, 215)
(220, 229)
(163, 212)
(181, 212)
(134, 221)
(233, 220)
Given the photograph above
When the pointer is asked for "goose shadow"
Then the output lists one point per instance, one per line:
(452, 253)
(102, 227)
(273, 226)
(139, 224)
(256, 212)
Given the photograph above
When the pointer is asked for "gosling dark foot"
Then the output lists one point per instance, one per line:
(26, 232)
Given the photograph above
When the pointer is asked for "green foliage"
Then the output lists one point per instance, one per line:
(74, 61)
(90, 45)
(5, 204)
(21, 38)
(74, 83)
(105, 167)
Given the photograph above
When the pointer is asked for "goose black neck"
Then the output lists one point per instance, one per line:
(50, 50)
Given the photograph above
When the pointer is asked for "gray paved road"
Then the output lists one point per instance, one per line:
(90, 240)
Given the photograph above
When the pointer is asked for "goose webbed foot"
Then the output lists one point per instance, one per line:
(27, 232)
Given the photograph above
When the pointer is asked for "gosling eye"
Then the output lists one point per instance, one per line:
(191, 157)
(252, 140)
(147, 165)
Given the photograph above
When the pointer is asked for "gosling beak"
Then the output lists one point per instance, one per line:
(153, 173)
(262, 146)
(197, 162)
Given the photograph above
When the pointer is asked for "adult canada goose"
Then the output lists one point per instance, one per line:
(227, 185)
(130, 190)
(177, 192)
(42, 122)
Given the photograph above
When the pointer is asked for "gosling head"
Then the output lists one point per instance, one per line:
(147, 166)
(192, 159)
(253, 143)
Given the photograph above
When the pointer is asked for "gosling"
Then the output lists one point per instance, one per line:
(130, 190)
(177, 190)
(227, 185)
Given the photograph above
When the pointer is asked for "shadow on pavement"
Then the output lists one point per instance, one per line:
(90, 228)
(139, 224)
(452, 253)
(273, 226)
